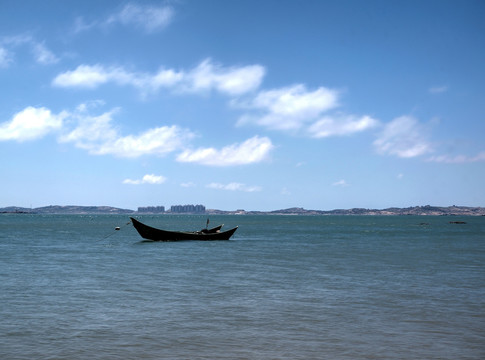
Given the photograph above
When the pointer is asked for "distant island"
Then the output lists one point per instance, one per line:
(415, 210)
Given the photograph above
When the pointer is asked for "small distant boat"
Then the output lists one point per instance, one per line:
(154, 234)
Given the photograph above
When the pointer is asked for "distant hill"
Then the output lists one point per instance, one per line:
(69, 209)
(415, 210)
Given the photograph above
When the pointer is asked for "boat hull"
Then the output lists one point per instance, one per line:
(154, 234)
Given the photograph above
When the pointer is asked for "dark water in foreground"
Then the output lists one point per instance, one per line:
(285, 287)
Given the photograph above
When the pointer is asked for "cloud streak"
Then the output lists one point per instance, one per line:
(341, 183)
(404, 137)
(458, 159)
(43, 55)
(5, 57)
(207, 76)
(147, 179)
(9, 44)
(253, 150)
(340, 125)
(438, 89)
(148, 18)
(234, 186)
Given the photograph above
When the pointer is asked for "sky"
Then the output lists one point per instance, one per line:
(255, 105)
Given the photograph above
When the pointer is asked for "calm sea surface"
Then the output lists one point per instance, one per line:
(285, 287)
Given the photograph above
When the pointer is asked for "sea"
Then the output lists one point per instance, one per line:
(284, 287)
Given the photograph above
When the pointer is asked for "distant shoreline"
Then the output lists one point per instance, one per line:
(415, 210)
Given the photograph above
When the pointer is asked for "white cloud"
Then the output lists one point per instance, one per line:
(253, 150)
(438, 89)
(90, 76)
(341, 183)
(8, 45)
(301, 111)
(232, 80)
(149, 18)
(458, 159)
(16, 40)
(404, 137)
(91, 132)
(157, 141)
(80, 25)
(340, 125)
(188, 184)
(31, 123)
(5, 57)
(289, 108)
(234, 186)
(163, 78)
(205, 77)
(43, 55)
(147, 179)
(92, 104)
(285, 191)
(97, 135)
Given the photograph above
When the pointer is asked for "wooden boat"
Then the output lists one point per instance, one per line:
(154, 234)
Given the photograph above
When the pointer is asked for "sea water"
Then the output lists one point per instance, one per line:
(284, 287)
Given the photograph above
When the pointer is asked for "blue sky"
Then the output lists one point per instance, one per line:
(256, 105)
